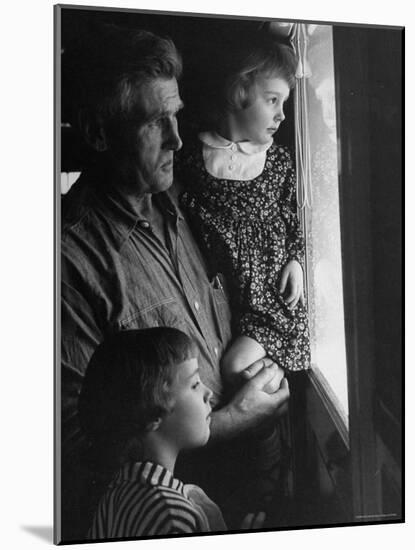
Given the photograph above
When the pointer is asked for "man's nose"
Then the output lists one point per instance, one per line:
(173, 141)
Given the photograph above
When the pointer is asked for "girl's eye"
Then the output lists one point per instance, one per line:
(196, 385)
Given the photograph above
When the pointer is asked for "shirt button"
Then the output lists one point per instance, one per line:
(231, 167)
(232, 157)
(233, 147)
(144, 225)
(197, 306)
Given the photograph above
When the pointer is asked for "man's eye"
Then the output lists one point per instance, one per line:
(156, 123)
(273, 100)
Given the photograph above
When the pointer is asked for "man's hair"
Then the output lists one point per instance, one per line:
(127, 383)
(241, 65)
(109, 66)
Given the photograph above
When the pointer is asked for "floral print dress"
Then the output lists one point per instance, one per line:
(251, 231)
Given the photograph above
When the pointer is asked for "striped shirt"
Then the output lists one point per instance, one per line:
(145, 500)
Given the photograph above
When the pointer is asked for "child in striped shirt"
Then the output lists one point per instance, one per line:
(143, 402)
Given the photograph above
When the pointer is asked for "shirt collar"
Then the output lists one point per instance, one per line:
(149, 473)
(216, 141)
(91, 192)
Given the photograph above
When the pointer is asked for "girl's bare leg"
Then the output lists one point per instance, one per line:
(243, 352)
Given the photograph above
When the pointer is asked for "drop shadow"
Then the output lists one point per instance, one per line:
(44, 532)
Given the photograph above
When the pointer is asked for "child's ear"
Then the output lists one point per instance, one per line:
(154, 425)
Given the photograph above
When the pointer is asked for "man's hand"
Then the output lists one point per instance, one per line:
(266, 362)
(251, 406)
(253, 403)
(292, 283)
(253, 369)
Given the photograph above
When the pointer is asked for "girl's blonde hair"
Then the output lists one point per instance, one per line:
(233, 85)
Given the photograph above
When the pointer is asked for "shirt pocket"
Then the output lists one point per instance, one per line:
(166, 313)
(221, 309)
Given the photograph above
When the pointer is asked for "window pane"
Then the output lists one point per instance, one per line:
(67, 180)
(322, 220)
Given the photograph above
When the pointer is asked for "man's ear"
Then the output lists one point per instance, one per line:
(154, 425)
(93, 132)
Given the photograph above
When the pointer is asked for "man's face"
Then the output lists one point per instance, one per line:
(144, 153)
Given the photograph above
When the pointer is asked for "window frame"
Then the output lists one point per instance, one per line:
(363, 460)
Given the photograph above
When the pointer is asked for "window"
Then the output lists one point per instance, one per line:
(67, 180)
(318, 197)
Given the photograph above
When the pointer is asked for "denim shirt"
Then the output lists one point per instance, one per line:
(116, 274)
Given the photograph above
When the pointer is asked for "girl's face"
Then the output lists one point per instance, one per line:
(187, 425)
(259, 121)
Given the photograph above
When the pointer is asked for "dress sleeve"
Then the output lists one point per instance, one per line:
(295, 238)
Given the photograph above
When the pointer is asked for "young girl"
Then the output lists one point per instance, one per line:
(142, 403)
(240, 192)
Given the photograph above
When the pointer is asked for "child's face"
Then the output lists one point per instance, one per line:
(188, 424)
(259, 121)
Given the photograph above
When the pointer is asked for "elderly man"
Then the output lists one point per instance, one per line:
(129, 259)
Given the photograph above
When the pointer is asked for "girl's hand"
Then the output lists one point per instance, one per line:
(253, 520)
(292, 282)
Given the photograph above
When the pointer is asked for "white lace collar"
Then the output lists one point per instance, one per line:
(214, 140)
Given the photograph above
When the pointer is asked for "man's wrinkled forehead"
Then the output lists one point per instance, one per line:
(158, 97)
